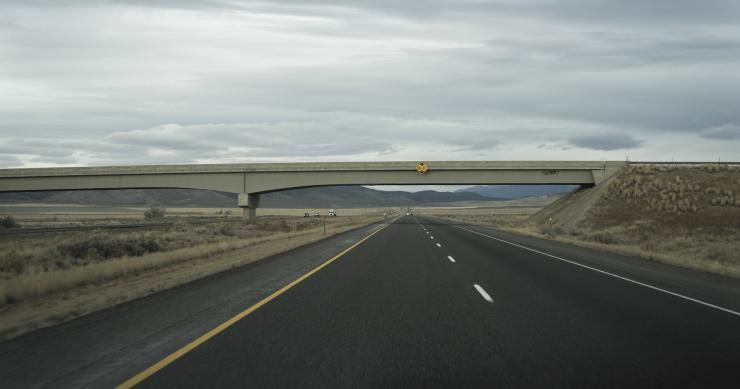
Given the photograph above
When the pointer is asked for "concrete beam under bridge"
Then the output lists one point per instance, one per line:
(250, 180)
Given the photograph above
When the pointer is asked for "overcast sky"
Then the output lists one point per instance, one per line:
(150, 82)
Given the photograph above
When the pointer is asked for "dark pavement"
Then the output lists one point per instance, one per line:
(403, 310)
(107, 347)
(396, 312)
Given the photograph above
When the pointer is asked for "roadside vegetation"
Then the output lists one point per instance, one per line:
(683, 215)
(8, 222)
(49, 278)
(686, 215)
(154, 210)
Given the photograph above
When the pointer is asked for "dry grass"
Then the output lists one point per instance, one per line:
(687, 215)
(37, 265)
(691, 197)
(713, 257)
(682, 215)
(33, 298)
(485, 216)
(35, 213)
(40, 284)
(716, 257)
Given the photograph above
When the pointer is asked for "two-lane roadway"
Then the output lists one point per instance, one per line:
(425, 303)
(421, 302)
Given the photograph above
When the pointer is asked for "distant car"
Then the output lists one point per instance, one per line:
(316, 214)
(306, 214)
(332, 212)
(408, 213)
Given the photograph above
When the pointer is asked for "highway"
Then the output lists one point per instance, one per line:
(418, 303)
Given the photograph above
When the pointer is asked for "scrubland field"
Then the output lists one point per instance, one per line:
(56, 215)
(500, 213)
(489, 216)
(683, 215)
(48, 278)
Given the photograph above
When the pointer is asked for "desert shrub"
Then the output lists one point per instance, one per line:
(300, 226)
(716, 252)
(12, 262)
(226, 230)
(98, 247)
(179, 225)
(281, 226)
(605, 238)
(8, 222)
(552, 231)
(154, 210)
(679, 243)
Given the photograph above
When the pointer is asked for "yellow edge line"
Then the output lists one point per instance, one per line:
(210, 334)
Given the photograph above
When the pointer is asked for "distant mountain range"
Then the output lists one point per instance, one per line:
(319, 197)
(323, 197)
(509, 192)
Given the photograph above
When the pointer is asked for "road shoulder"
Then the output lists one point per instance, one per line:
(109, 346)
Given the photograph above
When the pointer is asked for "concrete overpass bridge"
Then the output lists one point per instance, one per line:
(251, 180)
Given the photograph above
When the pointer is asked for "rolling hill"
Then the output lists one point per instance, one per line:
(517, 191)
(323, 197)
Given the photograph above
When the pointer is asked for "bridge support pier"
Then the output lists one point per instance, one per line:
(249, 202)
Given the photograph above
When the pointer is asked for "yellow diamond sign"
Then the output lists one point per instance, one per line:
(422, 168)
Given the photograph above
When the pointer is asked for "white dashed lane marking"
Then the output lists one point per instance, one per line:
(681, 296)
(483, 293)
(451, 259)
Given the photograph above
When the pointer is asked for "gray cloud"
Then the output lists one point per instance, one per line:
(606, 141)
(728, 131)
(478, 145)
(8, 160)
(631, 11)
(116, 82)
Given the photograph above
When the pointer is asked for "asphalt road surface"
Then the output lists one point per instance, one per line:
(421, 303)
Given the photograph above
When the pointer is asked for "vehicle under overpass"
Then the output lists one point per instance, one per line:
(251, 180)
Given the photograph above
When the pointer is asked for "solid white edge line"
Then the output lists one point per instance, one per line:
(483, 293)
(439, 245)
(730, 311)
(451, 259)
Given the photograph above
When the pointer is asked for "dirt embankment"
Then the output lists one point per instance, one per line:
(47, 279)
(684, 215)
